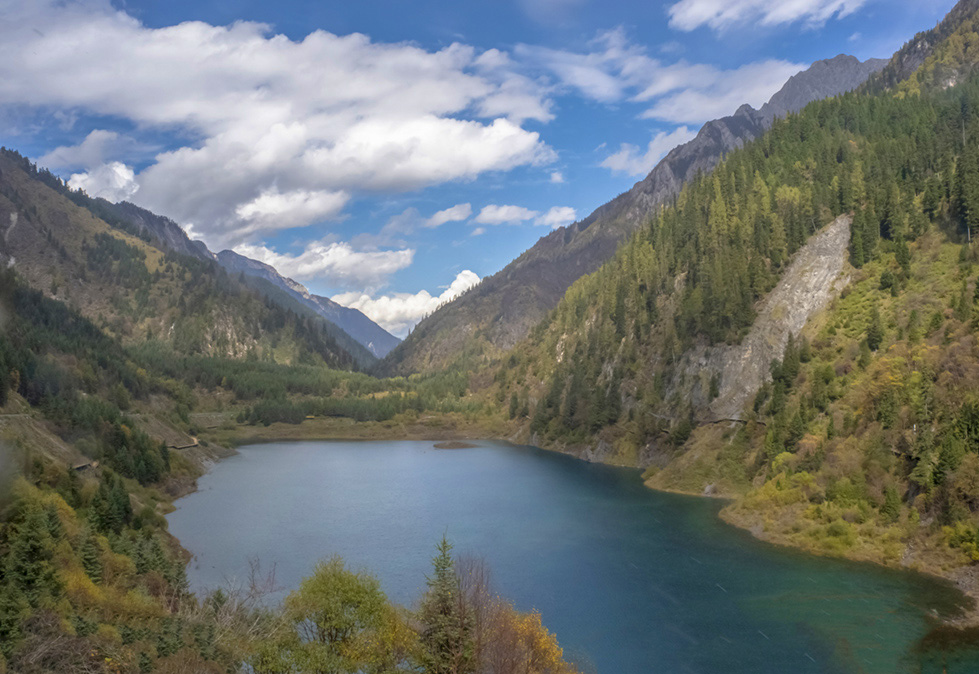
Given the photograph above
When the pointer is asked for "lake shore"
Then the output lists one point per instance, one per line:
(456, 430)
(964, 578)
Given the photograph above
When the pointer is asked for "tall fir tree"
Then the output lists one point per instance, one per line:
(447, 645)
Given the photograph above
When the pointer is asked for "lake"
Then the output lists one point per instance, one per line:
(630, 580)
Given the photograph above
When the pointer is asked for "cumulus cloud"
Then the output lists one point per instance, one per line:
(504, 215)
(723, 93)
(457, 213)
(557, 177)
(276, 210)
(558, 216)
(308, 120)
(616, 70)
(630, 159)
(333, 263)
(113, 181)
(494, 214)
(98, 146)
(399, 312)
(720, 14)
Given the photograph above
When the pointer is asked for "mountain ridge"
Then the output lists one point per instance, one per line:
(495, 315)
(366, 332)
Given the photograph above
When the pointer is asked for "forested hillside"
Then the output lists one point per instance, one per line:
(90, 580)
(864, 440)
(121, 278)
(498, 313)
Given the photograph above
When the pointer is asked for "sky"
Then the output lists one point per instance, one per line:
(390, 154)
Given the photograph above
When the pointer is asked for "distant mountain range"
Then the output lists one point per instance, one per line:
(137, 277)
(373, 337)
(365, 332)
(500, 311)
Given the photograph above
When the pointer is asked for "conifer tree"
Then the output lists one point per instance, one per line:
(446, 621)
(13, 610)
(29, 571)
(875, 331)
(91, 556)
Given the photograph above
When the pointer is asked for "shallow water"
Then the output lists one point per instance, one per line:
(631, 580)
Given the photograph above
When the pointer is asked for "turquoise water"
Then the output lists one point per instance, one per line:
(632, 581)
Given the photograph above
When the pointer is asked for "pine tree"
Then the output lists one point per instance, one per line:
(13, 610)
(857, 254)
(91, 556)
(875, 331)
(53, 523)
(446, 622)
(892, 504)
(28, 565)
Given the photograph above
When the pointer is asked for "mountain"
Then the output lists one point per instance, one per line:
(353, 329)
(140, 279)
(503, 308)
(797, 330)
(912, 56)
(369, 334)
(165, 231)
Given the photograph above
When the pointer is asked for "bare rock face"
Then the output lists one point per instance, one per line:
(824, 79)
(814, 278)
(168, 233)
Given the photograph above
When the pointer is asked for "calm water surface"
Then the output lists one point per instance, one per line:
(631, 580)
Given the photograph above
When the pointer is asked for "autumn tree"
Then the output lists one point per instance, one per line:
(335, 621)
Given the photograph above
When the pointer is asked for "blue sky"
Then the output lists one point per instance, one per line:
(390, 153)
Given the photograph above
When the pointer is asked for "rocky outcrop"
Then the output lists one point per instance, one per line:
(814, 278)
(824, 79)
(504, 307)
(167, 233)
(917, 50)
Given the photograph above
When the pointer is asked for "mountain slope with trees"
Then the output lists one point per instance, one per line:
(366, 332)
(862, 441)
(120, 275)
(503, 308)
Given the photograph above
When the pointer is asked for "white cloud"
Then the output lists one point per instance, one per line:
(97, 147)
(721, 93)
(630, 159)
(616, 70)
(558, 216)
(504, 215)
(457, 213)
(327, 115)
(479, 231)
(276, 210)
(557, 177)
(113, 181)
(333, 263)
(399, 312)
(720, 14)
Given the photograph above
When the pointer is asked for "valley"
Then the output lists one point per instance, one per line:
(777, 329)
